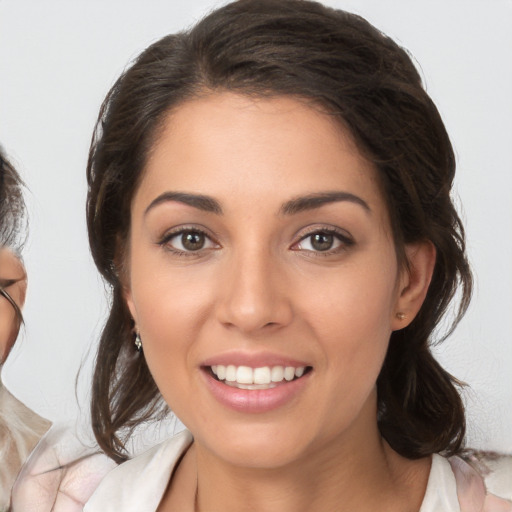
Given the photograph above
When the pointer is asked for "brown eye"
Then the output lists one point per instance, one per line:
(322, 241)
(192, 240)
(188, 241)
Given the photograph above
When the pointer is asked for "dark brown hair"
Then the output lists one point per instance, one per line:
(356, 74)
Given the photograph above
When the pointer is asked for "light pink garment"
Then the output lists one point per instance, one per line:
(471, 491)
(60, 475)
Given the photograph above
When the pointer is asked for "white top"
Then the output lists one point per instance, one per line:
(138, 485)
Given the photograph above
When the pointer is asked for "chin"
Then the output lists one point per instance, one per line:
(258, 446)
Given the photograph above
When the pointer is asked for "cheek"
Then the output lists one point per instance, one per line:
(171, 307)
(166, 318)
(169, 299)
(353, 318)
(352, 323)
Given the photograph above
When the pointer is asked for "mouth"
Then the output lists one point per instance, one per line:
(260, 378)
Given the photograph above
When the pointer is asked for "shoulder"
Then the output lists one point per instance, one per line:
(497, 473)
(467, 484)
(17, 417)
(485, 477)
(123, 488)
(61, 469)
(20, 430)
(441, 492)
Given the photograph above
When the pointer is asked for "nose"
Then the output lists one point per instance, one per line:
(253, 295)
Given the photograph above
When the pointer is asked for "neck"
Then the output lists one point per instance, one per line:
(375, 478)
(356, 470)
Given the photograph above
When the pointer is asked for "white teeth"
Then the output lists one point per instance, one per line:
(230, 373)
(264, 377)
(221, 372)
(251, 386)
(244, 375)
(277, 374)
(289, 373)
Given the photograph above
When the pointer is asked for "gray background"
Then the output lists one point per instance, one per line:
(59, 58)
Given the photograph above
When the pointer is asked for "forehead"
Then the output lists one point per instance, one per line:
(227, 145)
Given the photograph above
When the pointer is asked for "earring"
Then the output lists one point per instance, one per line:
(401, 316)
(138, 342)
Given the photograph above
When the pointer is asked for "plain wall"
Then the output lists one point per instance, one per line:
(58, 60)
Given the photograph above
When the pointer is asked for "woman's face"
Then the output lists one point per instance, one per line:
(13, 280)
(263, 278)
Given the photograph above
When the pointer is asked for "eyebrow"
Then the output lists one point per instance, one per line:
(199, 201)
(312, 201)
(296, 205)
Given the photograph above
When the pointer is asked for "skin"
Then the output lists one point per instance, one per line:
(259, 286)
(13, 280)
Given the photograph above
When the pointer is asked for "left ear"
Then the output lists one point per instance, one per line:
(414, 282)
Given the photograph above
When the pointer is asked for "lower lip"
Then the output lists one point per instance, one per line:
(255, 400)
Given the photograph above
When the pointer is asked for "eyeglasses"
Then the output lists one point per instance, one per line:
(4, 293)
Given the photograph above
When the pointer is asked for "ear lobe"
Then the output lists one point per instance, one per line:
(414, 283)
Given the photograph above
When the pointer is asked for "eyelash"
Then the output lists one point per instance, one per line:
(167, 237)
(345, 241)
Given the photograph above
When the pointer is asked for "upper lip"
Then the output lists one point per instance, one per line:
(253, 360)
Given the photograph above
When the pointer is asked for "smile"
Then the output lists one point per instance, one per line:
(257, 387)
(265, 377)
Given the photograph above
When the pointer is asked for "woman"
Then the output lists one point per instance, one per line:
(61, 472)
(20, 427)
(269, 199)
